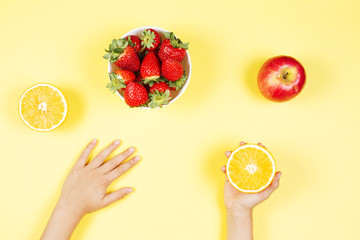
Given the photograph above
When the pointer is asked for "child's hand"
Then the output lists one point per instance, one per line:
(85, 188)
(237, 201)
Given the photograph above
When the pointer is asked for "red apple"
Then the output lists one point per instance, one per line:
(281, 78)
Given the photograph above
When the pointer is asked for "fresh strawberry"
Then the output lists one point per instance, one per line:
(172, 69)
(150, 68)
(125, 76)
(123, 55)
(159, 95)
(150, 39)
(135, 42)
(128, 60)
(172, 47)
(135, 94)
(159, 86)
(119, 79)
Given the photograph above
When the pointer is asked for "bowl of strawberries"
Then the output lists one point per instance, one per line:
(149, 67)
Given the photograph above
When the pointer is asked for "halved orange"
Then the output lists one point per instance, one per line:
(250, 168)
(43, 107)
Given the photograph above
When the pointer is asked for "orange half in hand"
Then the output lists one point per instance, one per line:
(43, 107)
(250, 168)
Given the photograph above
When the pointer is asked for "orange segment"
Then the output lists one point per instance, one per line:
(250, 168)
(43, 107)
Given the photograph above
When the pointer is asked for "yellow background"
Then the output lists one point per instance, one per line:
(315, 137)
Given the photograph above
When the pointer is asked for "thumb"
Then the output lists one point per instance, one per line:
(273, 186)
(116, 195)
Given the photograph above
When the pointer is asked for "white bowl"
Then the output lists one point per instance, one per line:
(186, 63)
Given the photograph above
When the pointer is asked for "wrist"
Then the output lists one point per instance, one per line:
(239, 212)
(239, 223)
(62, 222)
(69, 210)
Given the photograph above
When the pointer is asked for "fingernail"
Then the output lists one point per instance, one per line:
(131, 149)
(223, 168)
(94, 141)
(117, 142)
(129, 190)
(136, 158)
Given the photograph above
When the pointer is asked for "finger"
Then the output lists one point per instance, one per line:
(261, 145)
(85, 154)
(117, 160)
(100, 158)
(122, 168)
(274, 185)
(242, 143)
(116, 195)
(223, 169)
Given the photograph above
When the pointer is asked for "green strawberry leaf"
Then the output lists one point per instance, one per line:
(184, 45)
(158, 99)
(107, 56)
(176, 42)
(179, 83)
(130, 42)
(116, 83)
(167, 35)
(117, 50)
(113, 44)
(147, 39)
(152, 81)
(122, 43)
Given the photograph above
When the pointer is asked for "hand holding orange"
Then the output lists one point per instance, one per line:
(239, 179)
(250, 168)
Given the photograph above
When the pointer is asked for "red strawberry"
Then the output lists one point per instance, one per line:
(172, 69)
(150, 39)
(172, 47)
(159, 86)
(159, 95)
(119, 79)
(123, 55)
(135, 42)
(135, 94)
(128, 60)
(150, 68)
(125, 76)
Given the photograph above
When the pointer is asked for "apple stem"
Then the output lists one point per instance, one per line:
(285, 75)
